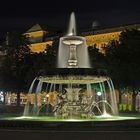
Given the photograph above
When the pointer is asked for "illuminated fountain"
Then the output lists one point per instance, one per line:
(72, 94)
(73, 51)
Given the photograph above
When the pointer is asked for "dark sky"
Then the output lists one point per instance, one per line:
(22, 14)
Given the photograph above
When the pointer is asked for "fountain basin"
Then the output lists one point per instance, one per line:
(73, 71)
(73, 79)
(75, 40)
(115, 123)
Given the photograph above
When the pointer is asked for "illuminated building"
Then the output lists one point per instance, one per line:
(41, 38)
(36, 37)
(11, 98)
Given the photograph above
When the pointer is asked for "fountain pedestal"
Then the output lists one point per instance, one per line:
(72, 42)
(72, 62)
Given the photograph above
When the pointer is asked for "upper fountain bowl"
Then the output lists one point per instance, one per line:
(72, 40)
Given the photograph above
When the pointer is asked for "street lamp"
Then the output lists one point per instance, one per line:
(99, 93)
(47, 103)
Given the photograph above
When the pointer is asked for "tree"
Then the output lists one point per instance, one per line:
(15, 64)
(51, 53)
(123, 61)
(20, 66)
(96, 57)
(40, 62)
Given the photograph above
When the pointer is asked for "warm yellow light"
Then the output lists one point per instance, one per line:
(47, 95)
(40, 47)
(101, 39)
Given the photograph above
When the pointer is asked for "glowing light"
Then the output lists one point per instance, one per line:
(74, 120)
(1, 99)
(106, 115)
(47, 95)
(1, 96)
(23, 117)
(44, 100)
(99, 93)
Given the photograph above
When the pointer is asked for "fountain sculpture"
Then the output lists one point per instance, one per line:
(72, 94)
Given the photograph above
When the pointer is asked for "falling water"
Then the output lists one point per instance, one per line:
(114, 99)
(38, 90)
(47, 87)
(51, 87)
(32, 85)
(39, 87)
(103, 98)
(27, 106)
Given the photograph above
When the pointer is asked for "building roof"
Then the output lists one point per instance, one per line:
(35, 28)
(101, 30)
(111, 29)
(41, 27)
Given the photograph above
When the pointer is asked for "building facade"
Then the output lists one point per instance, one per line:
(40, 39)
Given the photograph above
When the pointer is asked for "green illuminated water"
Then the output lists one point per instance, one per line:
(55, 119)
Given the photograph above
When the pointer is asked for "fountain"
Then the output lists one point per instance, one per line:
(72, 95)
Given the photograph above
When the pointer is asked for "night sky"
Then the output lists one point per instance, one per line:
(21, 15)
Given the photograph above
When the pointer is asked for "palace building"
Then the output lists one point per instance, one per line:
(37, 38)
(40, 38)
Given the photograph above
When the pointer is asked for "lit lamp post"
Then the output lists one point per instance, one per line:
(101, 98)
(99, 93)
(1, 97)
(47, 103)
(47, 98)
